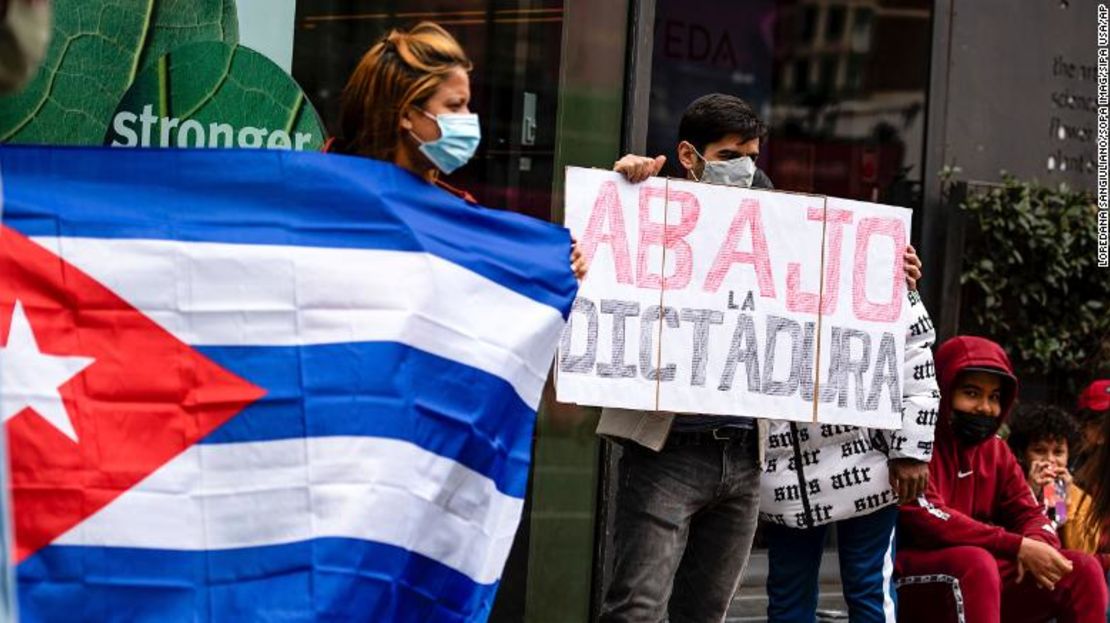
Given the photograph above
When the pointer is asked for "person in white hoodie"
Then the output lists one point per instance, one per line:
(817, 475)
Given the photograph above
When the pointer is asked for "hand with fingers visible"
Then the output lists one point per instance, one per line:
(638, 168)
(1062, 473)
(1042, 561)
(912, 265)
(1041, 473)
(577, 260)
(908, 477)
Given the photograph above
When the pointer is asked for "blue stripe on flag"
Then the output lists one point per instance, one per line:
(279, 198)
(328, 579)
(383, 389)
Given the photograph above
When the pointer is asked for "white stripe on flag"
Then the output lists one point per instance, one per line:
(228, 496)
(890, 614)
(216, 294)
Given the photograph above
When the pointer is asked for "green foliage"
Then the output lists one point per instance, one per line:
(97, 50)
(211, 82)
(1031, 278)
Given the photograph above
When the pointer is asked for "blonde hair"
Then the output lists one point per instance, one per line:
(402, 70)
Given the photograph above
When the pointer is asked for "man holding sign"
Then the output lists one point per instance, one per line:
(688, 499)
(689, 495)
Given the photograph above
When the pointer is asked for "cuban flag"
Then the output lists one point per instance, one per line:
(265, 386)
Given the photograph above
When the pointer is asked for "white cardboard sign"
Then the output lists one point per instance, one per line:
(721, 300)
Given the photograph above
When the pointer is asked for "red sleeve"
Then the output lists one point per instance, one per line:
(1019, 510)
(928, 522)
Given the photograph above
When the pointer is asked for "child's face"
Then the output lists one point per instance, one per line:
(979, 393)
(1055, 451)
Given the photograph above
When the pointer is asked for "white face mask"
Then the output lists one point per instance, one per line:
(736, 172)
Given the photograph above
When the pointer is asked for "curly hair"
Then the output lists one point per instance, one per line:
(1034, 421)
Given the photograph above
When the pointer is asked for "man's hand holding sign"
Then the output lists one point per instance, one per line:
(723, 300)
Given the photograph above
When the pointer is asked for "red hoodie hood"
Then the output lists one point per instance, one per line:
(967, 353)
(977, 495)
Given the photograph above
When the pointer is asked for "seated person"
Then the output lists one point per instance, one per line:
(1090, 530)
(1092, 410)
(978, 521)
(1041, 436)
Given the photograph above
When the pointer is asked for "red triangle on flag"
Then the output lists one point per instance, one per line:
(144, 398)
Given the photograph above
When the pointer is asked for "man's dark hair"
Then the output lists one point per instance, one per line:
(1035, 421)
(710, 117)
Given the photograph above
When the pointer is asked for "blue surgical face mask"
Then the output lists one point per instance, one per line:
(459, 135)
(736, 172)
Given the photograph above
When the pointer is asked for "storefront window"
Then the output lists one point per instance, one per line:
(842, 84)
(515, 50)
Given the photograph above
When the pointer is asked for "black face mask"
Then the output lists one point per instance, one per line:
(971, 428)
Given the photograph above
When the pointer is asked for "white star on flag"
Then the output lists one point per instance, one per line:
(31, 378)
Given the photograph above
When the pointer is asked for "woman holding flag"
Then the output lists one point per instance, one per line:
(407, 103)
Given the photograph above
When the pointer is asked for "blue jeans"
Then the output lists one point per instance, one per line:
(865, 546)
(683, 529)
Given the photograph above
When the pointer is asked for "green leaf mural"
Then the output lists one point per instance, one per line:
(215, 95)
(99, 47)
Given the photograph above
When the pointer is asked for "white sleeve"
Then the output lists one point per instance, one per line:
(920, 395)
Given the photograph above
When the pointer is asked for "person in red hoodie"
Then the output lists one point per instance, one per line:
(978, 526)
